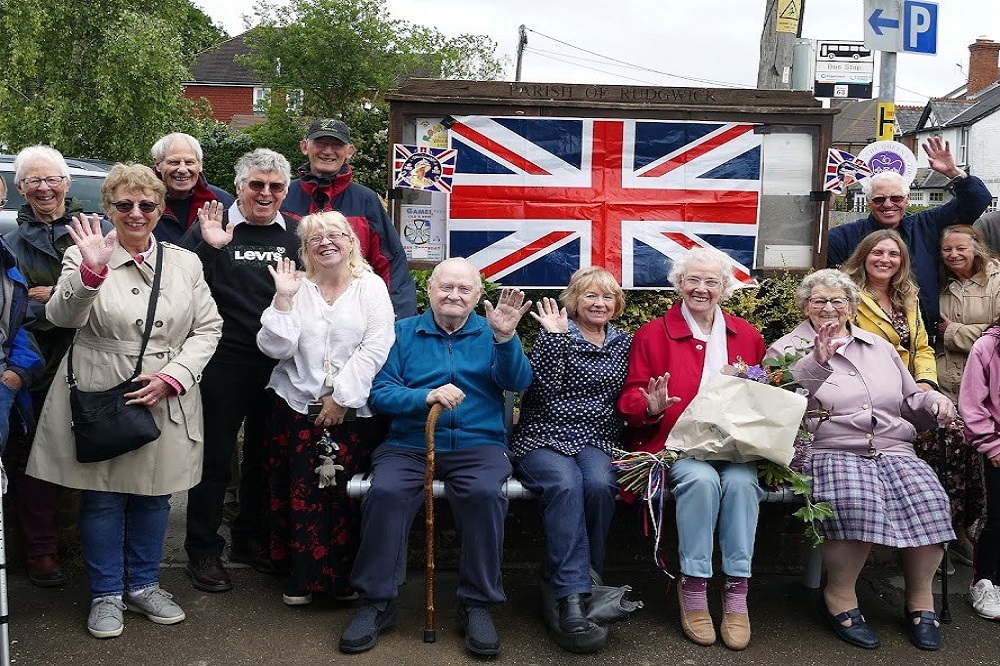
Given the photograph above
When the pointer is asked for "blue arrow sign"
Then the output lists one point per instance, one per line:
(877, 22)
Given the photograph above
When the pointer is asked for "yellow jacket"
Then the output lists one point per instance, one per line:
(919, 357)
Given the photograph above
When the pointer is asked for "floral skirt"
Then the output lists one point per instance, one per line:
(895, 501)
(964, 480)
(315, 532)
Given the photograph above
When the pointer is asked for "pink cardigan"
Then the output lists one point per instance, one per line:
(872, 397)
(977, 399)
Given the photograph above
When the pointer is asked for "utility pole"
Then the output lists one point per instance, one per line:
(522, 41)
(782, 25)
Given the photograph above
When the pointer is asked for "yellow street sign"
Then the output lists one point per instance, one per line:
(789, 14)
(885, 122)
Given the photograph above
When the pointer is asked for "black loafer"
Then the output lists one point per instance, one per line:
(859, 634)
(572, 619)
(925, 633)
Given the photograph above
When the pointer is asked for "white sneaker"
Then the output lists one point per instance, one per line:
(985, 599)
(105, 620)
(156, 604)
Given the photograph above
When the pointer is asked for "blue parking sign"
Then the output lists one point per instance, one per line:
(920, 27)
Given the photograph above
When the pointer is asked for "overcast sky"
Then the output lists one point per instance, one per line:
(715, 40)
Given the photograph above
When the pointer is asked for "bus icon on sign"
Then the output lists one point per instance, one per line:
(844, 51)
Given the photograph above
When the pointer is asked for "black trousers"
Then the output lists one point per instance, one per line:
(988, 546)
(232, 395)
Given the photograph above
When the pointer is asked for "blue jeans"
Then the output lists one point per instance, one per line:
(710, 492)
(122, 538)
(578, 501)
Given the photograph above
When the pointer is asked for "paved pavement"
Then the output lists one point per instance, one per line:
(250, 625)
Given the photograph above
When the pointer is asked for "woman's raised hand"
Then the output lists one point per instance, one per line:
(552, 318)
(95, 247)
(287, 280)
(824, 344)
(657, 395)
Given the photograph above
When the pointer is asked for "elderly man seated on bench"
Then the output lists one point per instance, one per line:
(465, 362)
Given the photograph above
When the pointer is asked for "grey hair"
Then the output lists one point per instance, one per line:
(831, 278)
(162, 147)
(868, 184)
(40, 153)
(262, 159)
(704, 255)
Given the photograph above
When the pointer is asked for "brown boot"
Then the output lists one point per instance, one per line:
(44, 571)
(697, 625)
(735, 630)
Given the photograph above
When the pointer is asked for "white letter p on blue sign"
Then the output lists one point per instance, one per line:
(920, 27)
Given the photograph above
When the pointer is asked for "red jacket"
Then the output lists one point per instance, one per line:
(666, 345)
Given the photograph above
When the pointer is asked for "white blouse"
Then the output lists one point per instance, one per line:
(327, 349)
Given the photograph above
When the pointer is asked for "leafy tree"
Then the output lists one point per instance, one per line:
(195, 28)
(94, 78)
(344, 55)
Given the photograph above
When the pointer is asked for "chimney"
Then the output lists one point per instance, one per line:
(983, 64)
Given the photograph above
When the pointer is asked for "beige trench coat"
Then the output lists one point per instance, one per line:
(971, 306)
(110, 319)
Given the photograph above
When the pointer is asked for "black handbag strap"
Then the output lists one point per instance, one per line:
(154, 295)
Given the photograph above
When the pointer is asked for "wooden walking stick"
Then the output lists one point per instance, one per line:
(430, 634)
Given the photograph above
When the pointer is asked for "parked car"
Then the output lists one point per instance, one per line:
(87, 178)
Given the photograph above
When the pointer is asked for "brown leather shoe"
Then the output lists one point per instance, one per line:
(43, 571)
(697, 625)
(735, 630)
(207, 574)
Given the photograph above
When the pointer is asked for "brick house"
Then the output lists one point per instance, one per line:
(233, 90)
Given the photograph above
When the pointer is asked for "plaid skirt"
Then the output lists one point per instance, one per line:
(895, 501)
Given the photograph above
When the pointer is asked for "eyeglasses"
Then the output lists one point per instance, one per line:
(837, 303)
(591, 297)
(35, 181)
(709, 283)
(126, 206)
(333, 236)
(895, 198)
(945, 249)
(259, 185)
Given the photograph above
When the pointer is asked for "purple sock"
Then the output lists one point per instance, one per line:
(694, 593)
(734, 599)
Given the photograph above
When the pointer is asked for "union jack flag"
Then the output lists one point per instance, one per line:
(534, 199)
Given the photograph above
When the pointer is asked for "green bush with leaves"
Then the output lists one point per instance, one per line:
(770, 305)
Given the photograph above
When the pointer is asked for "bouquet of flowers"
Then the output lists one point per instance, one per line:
(645, 474)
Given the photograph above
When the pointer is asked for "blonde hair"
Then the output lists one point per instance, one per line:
(591, 278)
(322, 223)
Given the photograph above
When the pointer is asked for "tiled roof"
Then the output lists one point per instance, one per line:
(907, 118)
(987, 102)
(218, 65)
(855, 124)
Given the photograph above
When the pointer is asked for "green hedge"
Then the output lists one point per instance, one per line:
(770, 306)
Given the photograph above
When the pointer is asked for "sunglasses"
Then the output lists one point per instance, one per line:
(259, 186)
(895, 198)
(126, 206)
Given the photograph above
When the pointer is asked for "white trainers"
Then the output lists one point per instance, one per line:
(985, 599)
(106, 620)
(156, 604)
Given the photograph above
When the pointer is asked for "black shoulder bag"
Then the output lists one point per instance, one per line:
(104, 427)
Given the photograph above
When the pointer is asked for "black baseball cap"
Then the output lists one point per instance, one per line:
(336, 129)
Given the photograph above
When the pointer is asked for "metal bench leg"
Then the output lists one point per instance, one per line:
(813, 571)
